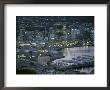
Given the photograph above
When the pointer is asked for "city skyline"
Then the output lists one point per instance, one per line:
(43, 43)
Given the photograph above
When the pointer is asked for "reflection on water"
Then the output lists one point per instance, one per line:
(67, 53)
(70, 53)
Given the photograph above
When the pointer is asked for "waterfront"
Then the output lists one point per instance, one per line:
(55, 44)
(70, 53)
(74, 53)
(77, 60)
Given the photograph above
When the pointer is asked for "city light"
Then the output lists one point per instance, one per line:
(54, 44)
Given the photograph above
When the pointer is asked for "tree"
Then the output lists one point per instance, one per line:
(59, 33)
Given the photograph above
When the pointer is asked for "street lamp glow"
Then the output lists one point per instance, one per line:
(52, 38)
